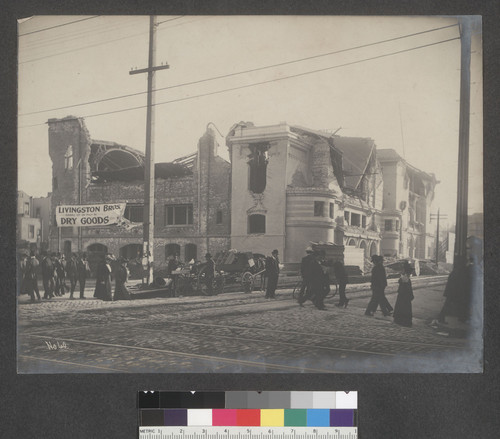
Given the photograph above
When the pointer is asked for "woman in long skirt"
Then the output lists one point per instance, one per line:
(121, 291)
(403, 309)
(103, 281)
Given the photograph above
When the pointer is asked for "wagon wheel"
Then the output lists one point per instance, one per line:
(247, 281)
(217, 285)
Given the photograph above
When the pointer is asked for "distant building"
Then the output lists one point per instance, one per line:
(29, 228)
(405, 218)
(192, 202)
(476, 225)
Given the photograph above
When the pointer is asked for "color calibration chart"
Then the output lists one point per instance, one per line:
(248, 415)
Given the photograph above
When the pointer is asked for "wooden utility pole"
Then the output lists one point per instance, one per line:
(437, 217)
(460, 253)
(149, 163)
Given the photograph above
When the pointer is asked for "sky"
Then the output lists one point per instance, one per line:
(318, 77)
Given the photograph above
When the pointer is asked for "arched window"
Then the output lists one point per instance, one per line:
(95, 255)
(68, 158)
(131, 251)
(190, 252)
(256, 224)
(67, 248)
(258, 167)
(172, 250)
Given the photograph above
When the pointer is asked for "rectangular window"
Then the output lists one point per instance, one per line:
(256, 224)
(31, 232)
(134, 213)
(319, 207)
(347, 216)
(38, 213)
(397, 225)
(178, 214)
(26, 208)
(363, 221)
(388, 225)
(355, 219)
(219, 217)
(331, 210)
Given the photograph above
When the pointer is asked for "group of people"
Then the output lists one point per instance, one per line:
(316, 285)
(104, 275)
(402, 311)
(315, 279)
(55, 269)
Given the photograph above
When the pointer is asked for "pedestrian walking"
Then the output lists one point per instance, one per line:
(305, 271)
(83, 271)
(31, 277)
(378, 284)
(319, 283)
(48, 276)
(121, 278)
(209, 270)
(21, 270)
(272, 274)
(402, 309)
(342, 279)
(103, 280)
(72, 273)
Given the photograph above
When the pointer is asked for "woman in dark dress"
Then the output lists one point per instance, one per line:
(121, 277)
(103, 280)
(402, 309)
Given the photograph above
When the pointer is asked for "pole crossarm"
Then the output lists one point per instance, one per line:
(148, 70)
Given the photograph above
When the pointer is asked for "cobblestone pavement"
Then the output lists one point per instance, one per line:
(236, 332)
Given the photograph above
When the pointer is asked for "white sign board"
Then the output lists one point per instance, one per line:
(90, 215)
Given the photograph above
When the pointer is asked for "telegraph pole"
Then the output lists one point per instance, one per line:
(437, 217)
(460, 253)
(149, 164)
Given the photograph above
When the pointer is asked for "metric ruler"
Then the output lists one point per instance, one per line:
(248, 432)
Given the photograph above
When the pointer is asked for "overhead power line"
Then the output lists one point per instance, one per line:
(243, 72)
(59, 25)
(267, 81)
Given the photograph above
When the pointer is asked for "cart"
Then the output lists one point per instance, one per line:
(241, 268)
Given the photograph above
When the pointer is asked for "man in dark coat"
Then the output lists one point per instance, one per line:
(272, 274)
(342, 279)
(305, 271)
(209, 270)
(378, 284)
(48, 276)
(319, 282)
(83, 270)
(72, 273)
(31, 276)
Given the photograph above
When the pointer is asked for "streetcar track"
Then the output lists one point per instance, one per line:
(456, 345)
(189, 355)
(31, 357)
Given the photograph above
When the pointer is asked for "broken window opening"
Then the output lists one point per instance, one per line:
(134, 213)
(68, 158)
(355, 219)
(258, 168)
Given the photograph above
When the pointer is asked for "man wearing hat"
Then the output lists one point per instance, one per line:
(209, 270)
(305, 271)
(378, 284)
(272, 274)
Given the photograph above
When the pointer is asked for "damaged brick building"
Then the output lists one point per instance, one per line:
(192, 195)
(295, 185)
(285, 186)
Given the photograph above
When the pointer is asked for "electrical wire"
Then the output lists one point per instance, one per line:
(242, 72)
(267, 81)
(59, 25)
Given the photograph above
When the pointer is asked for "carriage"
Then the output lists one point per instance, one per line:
(241, 269)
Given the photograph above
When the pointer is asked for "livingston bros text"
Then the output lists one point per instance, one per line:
(89, 215)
